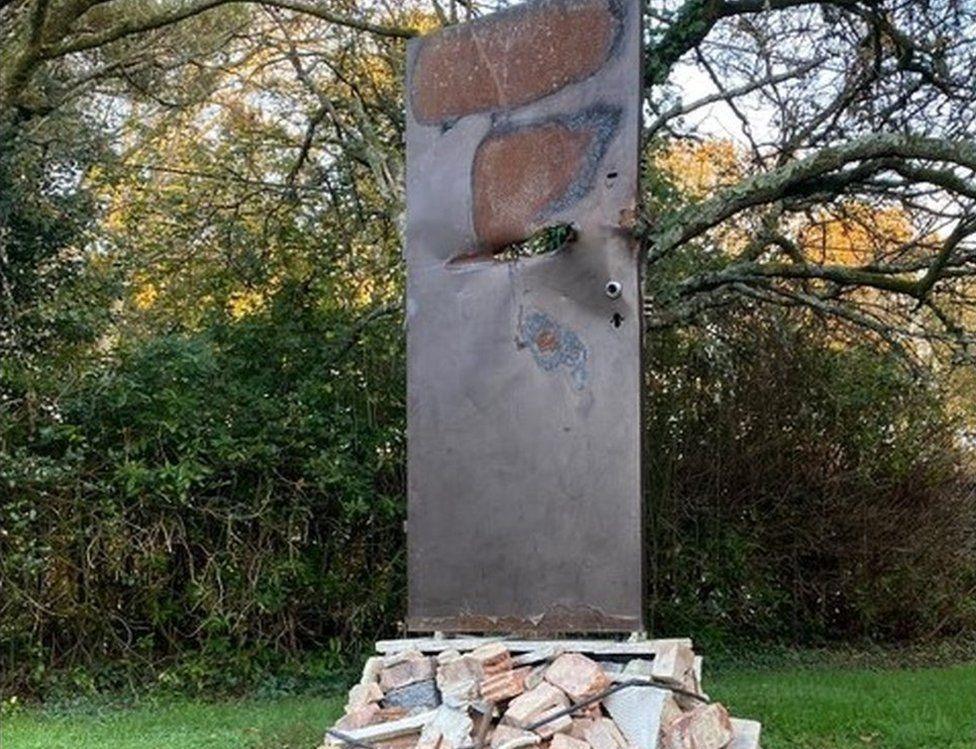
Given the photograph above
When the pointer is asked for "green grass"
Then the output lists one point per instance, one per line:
(839, 708)
(285, 723)
(802, 708)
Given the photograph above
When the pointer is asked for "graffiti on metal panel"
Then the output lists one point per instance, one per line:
(554, 347)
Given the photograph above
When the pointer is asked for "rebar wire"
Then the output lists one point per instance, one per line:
(645, 682)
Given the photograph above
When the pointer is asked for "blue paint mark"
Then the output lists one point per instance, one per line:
(553, 346)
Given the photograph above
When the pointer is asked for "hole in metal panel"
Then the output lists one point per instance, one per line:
(546, 240)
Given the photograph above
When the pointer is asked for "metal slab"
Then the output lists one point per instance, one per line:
(524, 376)
(602, 648)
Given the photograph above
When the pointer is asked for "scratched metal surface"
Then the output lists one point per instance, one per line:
(524, 419)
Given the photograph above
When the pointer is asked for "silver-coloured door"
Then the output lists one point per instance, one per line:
(524, 375)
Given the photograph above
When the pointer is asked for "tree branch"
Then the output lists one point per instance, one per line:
(190, 10)
(784, 181)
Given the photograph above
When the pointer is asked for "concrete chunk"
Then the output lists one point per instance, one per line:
(639, 667)
(603, 734)
(452, 724)
(546, 653)
(422, 694)
(458, 678)
(672, 664)
(638, 713)
(536, 676)
(745, 734)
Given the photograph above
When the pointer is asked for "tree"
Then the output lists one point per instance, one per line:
(867, 104)
(225, 178)
(845, 100)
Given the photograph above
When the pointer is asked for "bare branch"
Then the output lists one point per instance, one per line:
(798, 176)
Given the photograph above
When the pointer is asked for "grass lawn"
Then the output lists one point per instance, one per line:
(801, 708)
(286, 723)
(847, 708)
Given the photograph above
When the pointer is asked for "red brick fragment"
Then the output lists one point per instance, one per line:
(494, 658)
(705, 727)
(517, 174)
(566, 741)
(577, 675)
(504, 685)
(407, 670)
(512, 59)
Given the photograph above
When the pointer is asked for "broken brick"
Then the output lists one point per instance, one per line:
(371, 671)
(580, 727)
(504, 685)
(363, 694)
(406, 671)
(577, 675)
(705, 727)
(493, 658)
(408, 741)
(567, 741)
(358, 717)
(555, 726)
(529, 706)
(670, 712)
(503, 735)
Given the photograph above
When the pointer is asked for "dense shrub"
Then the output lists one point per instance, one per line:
(234, 490)
(214, 498)
(801, 488)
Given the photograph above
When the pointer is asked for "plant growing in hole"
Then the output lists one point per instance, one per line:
(545, 240)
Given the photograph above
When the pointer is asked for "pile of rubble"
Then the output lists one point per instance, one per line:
(517, 694)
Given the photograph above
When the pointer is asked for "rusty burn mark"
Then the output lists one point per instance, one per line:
(554, 347)
(554, 619)
(524, 174)
(513, 58)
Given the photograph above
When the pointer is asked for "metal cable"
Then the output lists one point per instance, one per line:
(645, 682)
